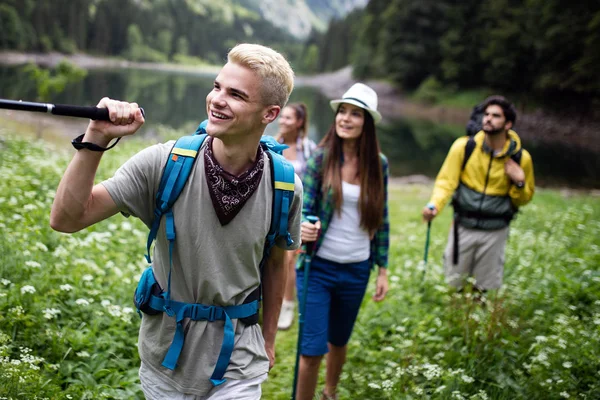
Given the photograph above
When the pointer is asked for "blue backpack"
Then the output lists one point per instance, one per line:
(151, 299)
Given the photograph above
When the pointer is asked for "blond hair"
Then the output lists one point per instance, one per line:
(276, 73)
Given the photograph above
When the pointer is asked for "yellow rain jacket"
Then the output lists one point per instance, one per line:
(484, 196)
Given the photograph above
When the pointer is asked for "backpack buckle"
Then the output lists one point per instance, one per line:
(169, 311)
(212, 313)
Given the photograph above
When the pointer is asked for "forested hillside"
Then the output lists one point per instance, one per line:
(548, 48)
(186, 31)
(140, 30)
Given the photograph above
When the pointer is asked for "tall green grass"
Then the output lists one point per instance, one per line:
(68, 329)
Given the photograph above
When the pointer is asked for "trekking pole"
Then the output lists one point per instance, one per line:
(431, 207)
(310, 248)
(66, 110)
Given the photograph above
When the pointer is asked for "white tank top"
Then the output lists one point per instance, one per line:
(345, 241)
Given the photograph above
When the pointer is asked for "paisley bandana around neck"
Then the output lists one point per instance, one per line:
(229, 193)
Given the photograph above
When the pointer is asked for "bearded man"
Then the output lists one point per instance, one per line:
(488, 176)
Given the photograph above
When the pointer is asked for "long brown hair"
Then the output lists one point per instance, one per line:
(371, 201)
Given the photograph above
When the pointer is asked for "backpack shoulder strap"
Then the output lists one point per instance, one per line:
(283, 194)
(174, 177)
(469, 147)
(517, 156)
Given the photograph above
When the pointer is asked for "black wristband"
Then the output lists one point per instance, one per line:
(78, 144)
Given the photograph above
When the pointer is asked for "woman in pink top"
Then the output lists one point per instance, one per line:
(293, 131)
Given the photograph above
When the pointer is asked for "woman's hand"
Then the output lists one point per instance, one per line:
(382, 286)
(309, 232)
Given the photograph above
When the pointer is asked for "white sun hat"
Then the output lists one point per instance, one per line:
(361, 96)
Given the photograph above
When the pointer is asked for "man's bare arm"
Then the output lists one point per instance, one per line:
(274, 278)
(78, 203)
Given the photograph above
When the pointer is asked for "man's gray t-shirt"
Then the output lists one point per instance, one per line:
(212, 265)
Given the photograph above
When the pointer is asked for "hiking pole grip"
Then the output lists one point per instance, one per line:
(66, 110)
(95, 113)
(431, 207)
(310, 246)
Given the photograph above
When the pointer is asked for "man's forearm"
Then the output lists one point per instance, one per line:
(75, 188)
(274, 278)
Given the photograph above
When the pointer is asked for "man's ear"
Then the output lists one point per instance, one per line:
(508, 125)
(270, 114)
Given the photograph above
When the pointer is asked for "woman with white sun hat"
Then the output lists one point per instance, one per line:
(345, 185)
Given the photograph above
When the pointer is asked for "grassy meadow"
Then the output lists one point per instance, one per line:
(68, 329)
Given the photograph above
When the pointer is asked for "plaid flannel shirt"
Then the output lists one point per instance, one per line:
(323, 207)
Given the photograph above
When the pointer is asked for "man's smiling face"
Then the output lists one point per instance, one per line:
(235, 105)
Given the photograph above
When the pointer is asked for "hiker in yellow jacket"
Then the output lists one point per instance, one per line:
(488, 177)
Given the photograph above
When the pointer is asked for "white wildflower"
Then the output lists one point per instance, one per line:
(33, 264)
(27, 289)
(441, 289)
(467, 379)
(115, 311)
(82, 302)
(40, 246)
(105, 303)
(83, 354)
(513, 324)
(387, 384)
(482, 395)
(18, 310)
(440, 389)
(567, 364)
(374, 385)
(457, 395)
(50, 313)
(5, 282)
(87, 278)
(565, 395)
(66, 287)
(431, 371)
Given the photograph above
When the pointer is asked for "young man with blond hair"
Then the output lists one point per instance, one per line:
(222, 217)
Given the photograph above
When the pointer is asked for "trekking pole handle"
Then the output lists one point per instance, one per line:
(311, 245)
(95, 113)
(431, 207)
(312, 219)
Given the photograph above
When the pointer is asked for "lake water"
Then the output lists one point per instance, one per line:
(177, 101)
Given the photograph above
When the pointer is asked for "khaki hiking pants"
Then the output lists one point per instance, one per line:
(481, 255)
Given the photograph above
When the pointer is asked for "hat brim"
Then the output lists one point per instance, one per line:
(374, 113)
